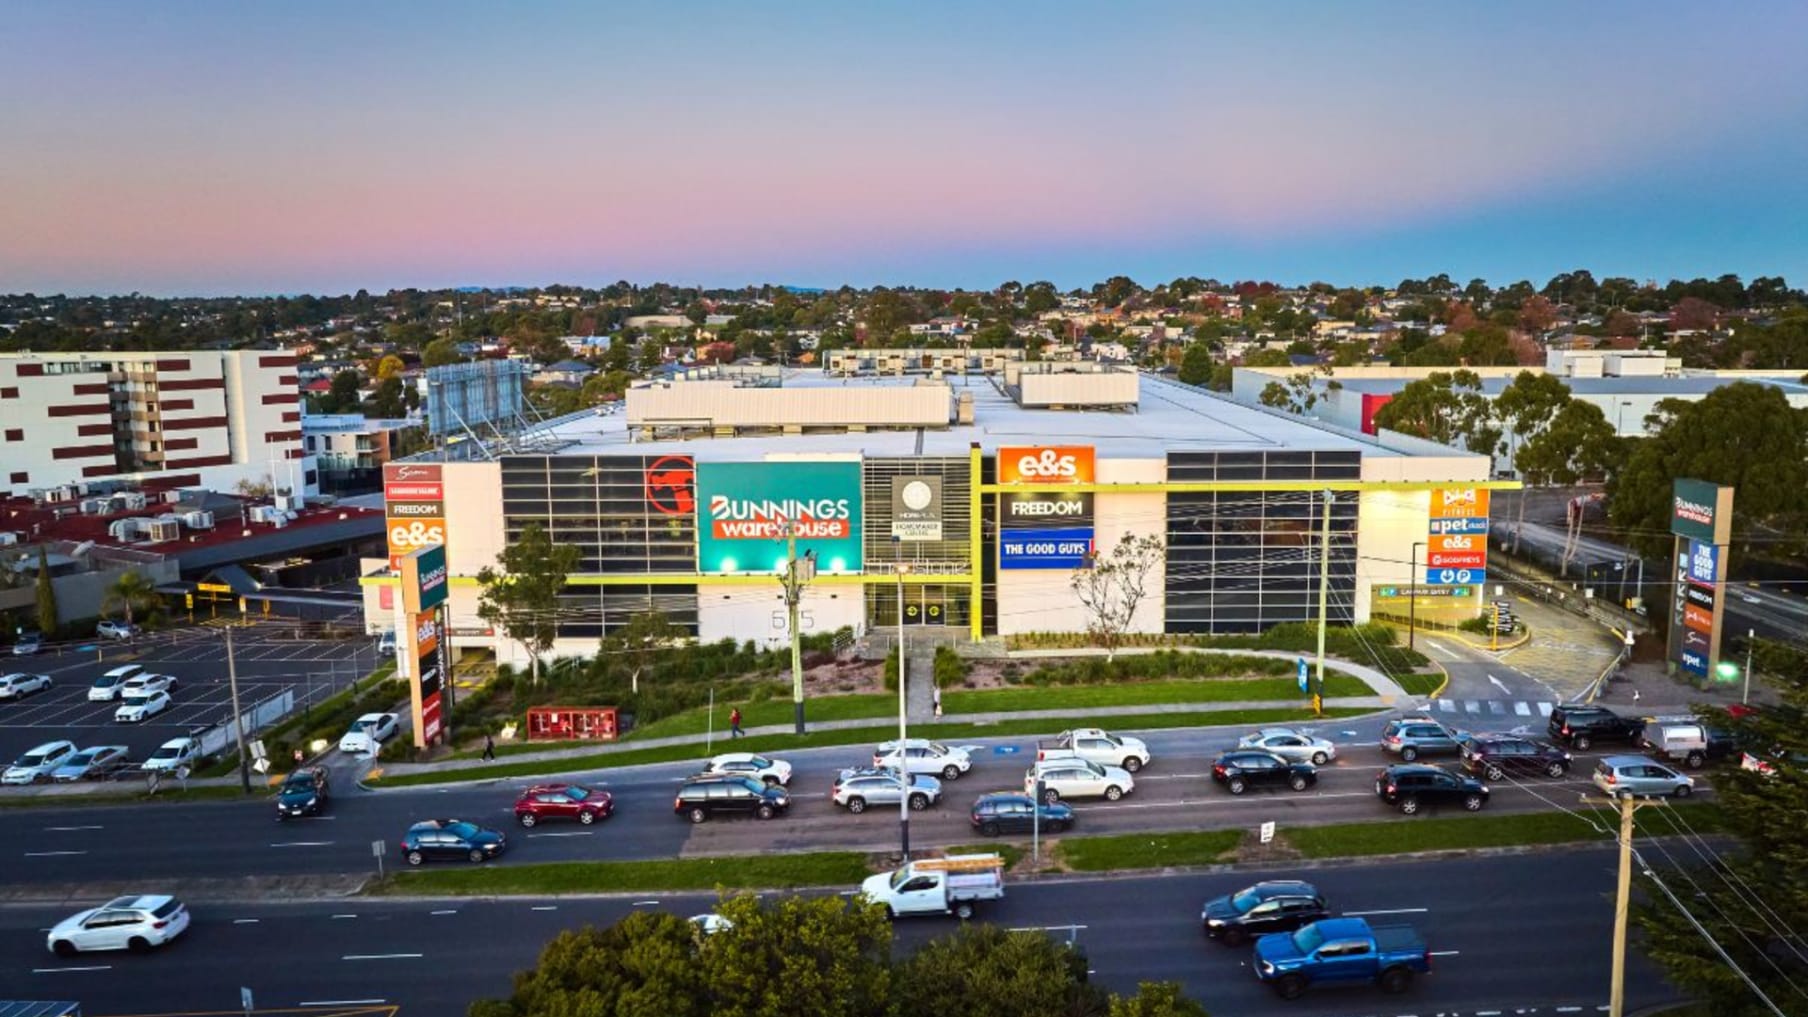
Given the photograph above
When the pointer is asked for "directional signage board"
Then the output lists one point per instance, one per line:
(1456, 542)
(1455, 577)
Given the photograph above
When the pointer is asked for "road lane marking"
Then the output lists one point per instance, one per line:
(1502, 686)
(344, 1002)
(90, 967)
(71, 829)
(345, 916)
(1450, 953)
(568, 833)
(545, 907)
(304, 843)
(381, 956)
(1387, 911)
(52, 854)
(444, 911)
(644, 903)
(245, 921)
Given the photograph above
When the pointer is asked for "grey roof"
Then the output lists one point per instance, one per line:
(1687, 385)
(235, 577)
(1171, 417)
(276, 542)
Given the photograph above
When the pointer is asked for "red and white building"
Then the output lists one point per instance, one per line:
(162, 420)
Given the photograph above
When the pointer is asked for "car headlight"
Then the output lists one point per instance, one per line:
(1216, 923)
(1267, 968)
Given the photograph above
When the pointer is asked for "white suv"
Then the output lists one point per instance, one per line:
(1078, 778)
(37, 764)
(108, 686)
(125, 923)
(923, 756)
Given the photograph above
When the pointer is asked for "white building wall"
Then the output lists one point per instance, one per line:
(758, 612)
(1391, 521)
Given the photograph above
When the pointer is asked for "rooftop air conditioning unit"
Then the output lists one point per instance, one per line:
(124, 529)
(172, 496)
(169, 517)
(96, 506)
(198, 520)
(134, 500)
(8, 538)
(82, 549)
(62, 494)
(165, 529)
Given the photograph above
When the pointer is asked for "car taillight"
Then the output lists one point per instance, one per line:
(160, 924)
(1391, 789)
(1566, 729)
(677, 803)
(1613, 778)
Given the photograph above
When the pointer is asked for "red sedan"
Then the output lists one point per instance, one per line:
(563, 801)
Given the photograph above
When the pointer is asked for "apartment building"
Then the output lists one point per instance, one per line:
(188, 419)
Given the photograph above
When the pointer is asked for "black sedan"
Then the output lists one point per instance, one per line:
(1243, 769)
(450, 840)
(1011, 812)
(1279, 905)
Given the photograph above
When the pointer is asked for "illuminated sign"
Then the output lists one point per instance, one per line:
(1045, 464)
(745, 510)
(671, 485)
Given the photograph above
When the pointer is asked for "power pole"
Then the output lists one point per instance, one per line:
(238, 718)
(1627, 804)
(903, 731)
(798, 573)
(1324, 599)
(1412, 595)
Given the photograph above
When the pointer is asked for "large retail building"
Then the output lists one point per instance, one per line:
(990, 488)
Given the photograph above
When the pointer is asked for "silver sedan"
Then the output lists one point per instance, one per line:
(1293, 746)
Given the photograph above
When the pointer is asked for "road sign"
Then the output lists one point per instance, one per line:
(1268, 832)
(1456, 577)
(245, 999)
(257, 748)
(377, 847)
(261, 764)
(1302, 674)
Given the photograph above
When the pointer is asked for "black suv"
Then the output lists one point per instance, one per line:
(303, 793)
(1582, 726)
(1243, 769)
(1280, 905)
(1013, 812)
(1495, 755)
(706, 795)
(448, 839)
(1410, 788)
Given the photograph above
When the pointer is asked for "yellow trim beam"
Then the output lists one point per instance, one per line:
(1205, 486)
(975, 547)
(690, 579)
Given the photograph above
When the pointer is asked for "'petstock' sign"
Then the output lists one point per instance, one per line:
(743, 510)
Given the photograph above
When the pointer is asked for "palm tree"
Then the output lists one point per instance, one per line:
(131, 593)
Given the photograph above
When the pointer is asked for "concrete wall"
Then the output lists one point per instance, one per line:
(82, 594)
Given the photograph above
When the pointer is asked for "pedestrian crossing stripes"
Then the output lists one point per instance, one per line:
(1493, 707)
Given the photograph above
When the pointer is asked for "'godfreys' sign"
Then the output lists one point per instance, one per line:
(746, 510)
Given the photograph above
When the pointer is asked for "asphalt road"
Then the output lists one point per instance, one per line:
(1508, 936)
(268, 662)
(229, 839)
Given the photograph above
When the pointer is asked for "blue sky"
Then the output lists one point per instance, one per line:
(215, 147)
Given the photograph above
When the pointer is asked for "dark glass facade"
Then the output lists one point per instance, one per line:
(1246, 561)
(626, 515)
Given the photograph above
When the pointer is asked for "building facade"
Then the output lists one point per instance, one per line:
(982, 520)
(189, 419)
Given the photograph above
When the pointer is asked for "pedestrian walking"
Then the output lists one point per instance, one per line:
(936, 697)
(489, 746)
(734, 723)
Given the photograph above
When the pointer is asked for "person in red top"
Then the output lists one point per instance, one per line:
(734, 723)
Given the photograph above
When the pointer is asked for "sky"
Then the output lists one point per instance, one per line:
(209, 148)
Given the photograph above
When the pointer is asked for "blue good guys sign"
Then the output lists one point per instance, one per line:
(1044, 549)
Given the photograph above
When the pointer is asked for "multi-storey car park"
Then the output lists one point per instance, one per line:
(678, 504)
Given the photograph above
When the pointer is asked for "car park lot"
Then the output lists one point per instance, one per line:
(269, 661)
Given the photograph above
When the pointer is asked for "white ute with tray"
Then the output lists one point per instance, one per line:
(938, 886)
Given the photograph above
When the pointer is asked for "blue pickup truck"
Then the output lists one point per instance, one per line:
(1341, 951)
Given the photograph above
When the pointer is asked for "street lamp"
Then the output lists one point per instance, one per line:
(1412, 594)
(903, 732)
(798, 573)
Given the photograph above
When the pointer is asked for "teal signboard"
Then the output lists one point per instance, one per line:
(1701, 511)
(743, 510)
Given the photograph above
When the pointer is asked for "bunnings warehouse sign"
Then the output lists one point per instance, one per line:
(743, 510)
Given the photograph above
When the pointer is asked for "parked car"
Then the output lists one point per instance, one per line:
(110, 629)
(386, 644)
(304, 792)
(1241, 769)
(145, 684)
(1077, 778)
(137, 708)
(368, 733)
(1639, 777)
(1410, 788)
(923, 756)
(1287, 743)
(173, 755)
(1341, 951)
(1098, 746)
(1412, 737)
(1688, 741)
(1495, 755)
(1010, 812)
(18, 686)
(28, 644)
(937, 886)
(449, 840)
(709, 924)
(92, 763)
(563, 801)
(136, 923)
(1582, 726)
(39, 763)
(751, 764)
(854, 790)
(108, 686)
(703, 798)
(1276, 905)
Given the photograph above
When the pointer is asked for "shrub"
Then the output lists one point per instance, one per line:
(950, 668)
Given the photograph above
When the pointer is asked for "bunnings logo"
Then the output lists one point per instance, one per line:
(1694, 512)
(765, 518)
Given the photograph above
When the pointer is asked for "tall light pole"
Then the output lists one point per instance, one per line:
(1751, 636)
(238, 718)
(798, 573)
(903, 730)
(1412, 594)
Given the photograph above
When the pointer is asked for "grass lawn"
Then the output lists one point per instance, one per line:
(209, 792)
(1194, 690)
(772, 711)
(1397, 836)
(1417, 684)
(1147, 850)
(824, 868)
(863, 736)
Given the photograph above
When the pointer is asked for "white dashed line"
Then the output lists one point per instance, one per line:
(1387, 911)
(1443, 953)
(644, 903)
(445, 911)
(381, 956)
(345, 916)
(567, 833)
(244, 921)
(52, 854)
(344, 1002)
(303, 843)
(52, 971)
(545, 907)
(71, 829)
